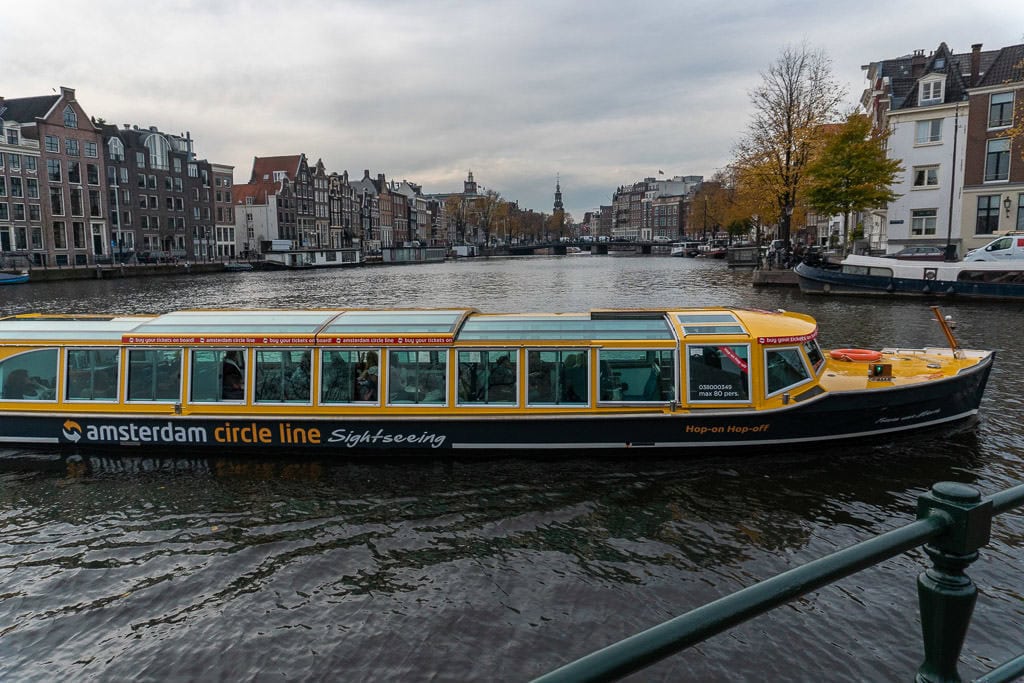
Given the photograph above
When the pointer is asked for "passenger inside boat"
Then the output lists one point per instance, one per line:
(19, 385)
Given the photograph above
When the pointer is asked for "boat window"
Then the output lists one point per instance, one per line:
(636, 375)
(559, 377)
(814, 354)
(154, 374)
(874, 271)
(30, 376)
(717, 373)
(784, 368)
(710, 323)
(488, 377)
(995, 276)
(217, 375)
(348, 376)
(282, 376)
(92, 374)
(417, 376)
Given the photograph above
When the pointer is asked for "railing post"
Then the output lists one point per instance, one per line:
(946, 594)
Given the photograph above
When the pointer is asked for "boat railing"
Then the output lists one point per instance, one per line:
(953, 523)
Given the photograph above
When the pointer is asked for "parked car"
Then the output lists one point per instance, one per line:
(920, 252)
(1009, 246)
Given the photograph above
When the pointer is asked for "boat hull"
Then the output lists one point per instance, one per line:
(826, 417)
(10, 279)
(816, 280)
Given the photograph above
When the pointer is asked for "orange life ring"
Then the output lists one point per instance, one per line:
(855, 354)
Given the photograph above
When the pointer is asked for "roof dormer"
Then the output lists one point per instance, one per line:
(931, 89)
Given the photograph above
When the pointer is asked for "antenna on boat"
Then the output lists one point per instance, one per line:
(947, 329)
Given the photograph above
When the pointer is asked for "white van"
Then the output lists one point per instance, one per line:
(1009, 246)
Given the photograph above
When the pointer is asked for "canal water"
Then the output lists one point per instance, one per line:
(186, 568)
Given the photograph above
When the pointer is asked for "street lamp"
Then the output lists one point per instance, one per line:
(1007, 202)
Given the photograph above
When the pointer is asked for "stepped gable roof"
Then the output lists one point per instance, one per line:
(265, 166)
(1007, 67)
(27, 109)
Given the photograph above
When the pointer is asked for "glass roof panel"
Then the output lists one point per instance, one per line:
(16, 329)
(722, 317)
(389, 322)
(562, 327)
(713, 329)
(238, 322)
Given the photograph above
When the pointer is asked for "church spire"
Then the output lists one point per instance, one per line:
(469, 186)
(558, 195)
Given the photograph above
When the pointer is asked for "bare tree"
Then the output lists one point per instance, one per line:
(797, 96)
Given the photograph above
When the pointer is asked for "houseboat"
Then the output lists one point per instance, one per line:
(406, 382)
(882, 276)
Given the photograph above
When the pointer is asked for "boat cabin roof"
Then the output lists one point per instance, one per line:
(438, 326)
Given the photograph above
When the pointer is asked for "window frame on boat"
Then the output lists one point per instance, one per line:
(19, 362)
(809, 374)
(244, 370)
(691, 376)
(73, 383)
(610, 377)
(391, 374)
(485, 386)
(362, 357)
(155, 364)
(288, 377)
(560, 381)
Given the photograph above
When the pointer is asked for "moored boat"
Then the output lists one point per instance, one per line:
(876, 275)
(13, 278)
(430, 381)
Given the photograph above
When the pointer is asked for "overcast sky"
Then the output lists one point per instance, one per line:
(597, 93)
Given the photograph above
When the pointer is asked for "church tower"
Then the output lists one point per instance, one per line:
(558, 196)
(469, 186)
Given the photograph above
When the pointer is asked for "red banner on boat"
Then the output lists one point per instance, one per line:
(387, 341)
(797, 339)
(731, 355)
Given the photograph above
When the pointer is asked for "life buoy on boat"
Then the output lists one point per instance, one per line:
(868, 355)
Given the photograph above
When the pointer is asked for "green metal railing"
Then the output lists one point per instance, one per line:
(953, 523)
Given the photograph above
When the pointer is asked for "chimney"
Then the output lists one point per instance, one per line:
(975, 63)
(917, 64)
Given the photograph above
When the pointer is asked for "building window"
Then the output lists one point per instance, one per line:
(71, 147)
(1020, 212)
(70, 117)
(53, 170)
(922, 221)
(988, 214)
(30, 164)
(52, 144)
(926, 176)
(1000, 110)
(3, 186)
(78, 234)
(4, 213)
(92, 174)
(14, 161)
(12, 136)
(931, 91)
(158, 151)
(60, 235)
(928, 131)
(31, 188)
(91, 149)
(56, 201)
(115, 148)
(997, 160)
(140, 159)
